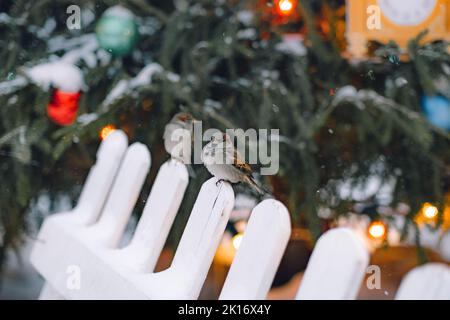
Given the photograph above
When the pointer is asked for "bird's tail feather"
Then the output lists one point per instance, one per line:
(251, 182)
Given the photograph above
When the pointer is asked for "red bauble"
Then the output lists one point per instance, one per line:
(63, 108)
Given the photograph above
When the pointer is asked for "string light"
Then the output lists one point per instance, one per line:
(286, 7)
(429, 211)
(377, 230)
(237, 239)
(106, 131)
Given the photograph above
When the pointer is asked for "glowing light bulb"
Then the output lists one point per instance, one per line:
(237, 239)
(286, 7)
(377, 230)
(429, 211)
(106, 131)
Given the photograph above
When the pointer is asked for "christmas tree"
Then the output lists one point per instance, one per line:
(71, 72)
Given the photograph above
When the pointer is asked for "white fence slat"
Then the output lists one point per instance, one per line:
(336, 267)
(198, 244)
(157, 218)
(444, 246)
(259, 255)
(428, 282)
(101, 176)
(123, 196)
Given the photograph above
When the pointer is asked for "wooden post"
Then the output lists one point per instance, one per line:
(257, 259)
(100, 178)
(428, 282)
(336, 267)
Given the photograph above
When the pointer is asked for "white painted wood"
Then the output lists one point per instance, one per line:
(122, 198)
(157, 218)
(259, 255)
(62, 245)
(444, 246)
(48, 293)
(336, 267)
(53, 233)
(95, 189)
(198, 244)
(101, 176)
(428, 282)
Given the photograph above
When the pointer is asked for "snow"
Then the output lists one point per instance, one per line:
(346, 92)
(197, 10)
(87, 16)
(247, 34)
(173, 77)
(119, 12)
(212, 104)
(119, 90)
(87, 118)
(83, 48)
(59, 74)
(61, 43)
(400, 82)
(7, 87)
(47, 29)
(85, 52)
(245, 17)
(292, 44)
(143, 78)
(6, 19)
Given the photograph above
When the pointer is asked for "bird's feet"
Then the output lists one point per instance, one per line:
(219, 182)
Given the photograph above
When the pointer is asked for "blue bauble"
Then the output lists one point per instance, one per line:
(437, 111)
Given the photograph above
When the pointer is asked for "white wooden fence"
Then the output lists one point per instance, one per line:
(83, 243)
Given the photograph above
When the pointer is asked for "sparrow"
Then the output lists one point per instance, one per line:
(178, 136)
(224, 162)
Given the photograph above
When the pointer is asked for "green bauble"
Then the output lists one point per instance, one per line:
(117, 31)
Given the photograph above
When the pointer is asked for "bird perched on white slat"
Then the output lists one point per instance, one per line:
(178, 135)
(223, 161)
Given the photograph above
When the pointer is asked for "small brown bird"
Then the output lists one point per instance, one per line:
(223, 161)
(178, 136)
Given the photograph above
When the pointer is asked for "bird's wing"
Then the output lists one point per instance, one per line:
(168, 129)
(241, 165)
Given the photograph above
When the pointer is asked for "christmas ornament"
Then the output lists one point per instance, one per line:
(106, 131)
(377, 230)
(117, 31)
(437, 111)
(67, 81)
(63, 107)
